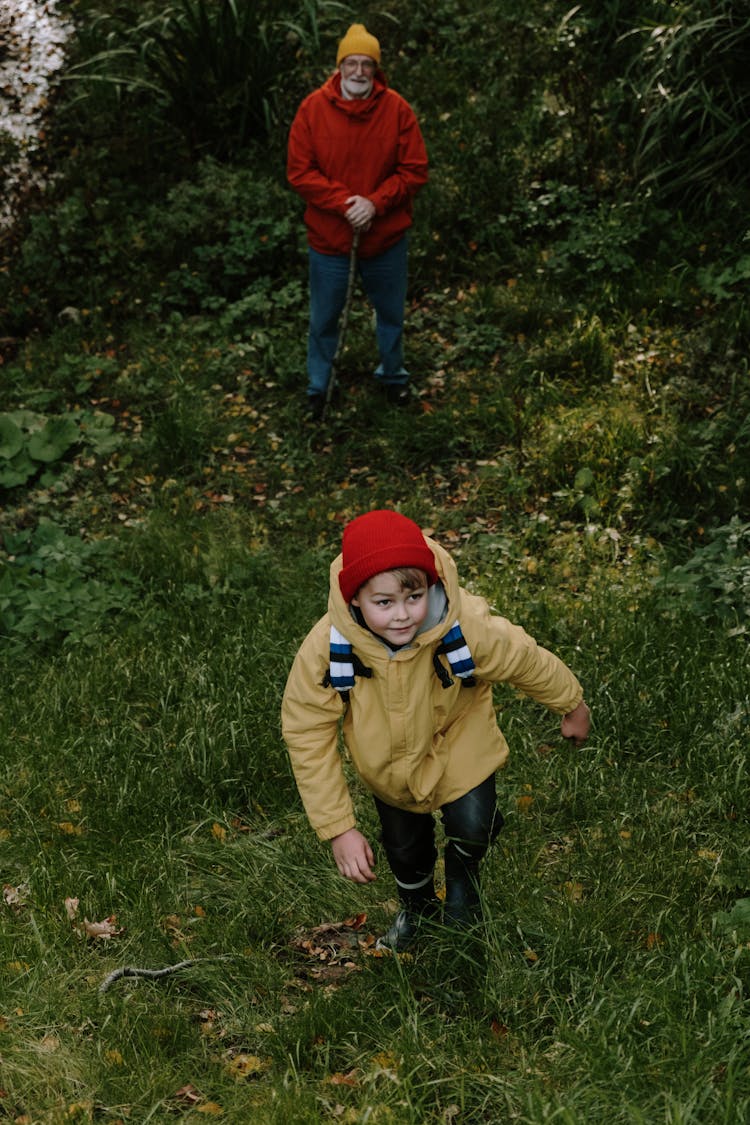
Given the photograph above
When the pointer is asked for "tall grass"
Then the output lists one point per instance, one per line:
(568, 436)
(145, 775)
(691, 82)
(211, 71)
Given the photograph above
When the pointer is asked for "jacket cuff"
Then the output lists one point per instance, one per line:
(577, 698)
(328, 831)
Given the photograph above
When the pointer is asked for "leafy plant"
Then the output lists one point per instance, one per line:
(714, 583)
(722, 280)
(32, 443)
(735, 922)
(53, 585)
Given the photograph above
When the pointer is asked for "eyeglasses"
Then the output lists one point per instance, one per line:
(366, 65)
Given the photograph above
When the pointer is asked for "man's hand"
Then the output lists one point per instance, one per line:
(577, 724)
(354, 856)
(361, 212)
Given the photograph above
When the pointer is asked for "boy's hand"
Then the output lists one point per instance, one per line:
(354, 856)
(577, 724)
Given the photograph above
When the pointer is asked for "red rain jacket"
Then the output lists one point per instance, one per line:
(371, 147)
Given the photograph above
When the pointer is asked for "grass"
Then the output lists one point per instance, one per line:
(144, 774)
(567, 442)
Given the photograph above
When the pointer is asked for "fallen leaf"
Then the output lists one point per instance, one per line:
(103, 930)
(339, 1079)
(69, 828)
(332, 941)
(15, 897)
(172, 923)
(188, 1094)
(574, 891)
(213, 1109)
(385, 1060)
(71, 908)
(523, 804)
(243, 1066)
(80, 1109)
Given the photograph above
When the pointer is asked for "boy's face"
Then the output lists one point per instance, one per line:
(392, 612)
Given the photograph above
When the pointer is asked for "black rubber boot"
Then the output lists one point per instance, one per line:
(463, 907)
(405, 928)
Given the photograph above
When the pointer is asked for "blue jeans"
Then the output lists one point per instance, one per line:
(384, 281)
(471, 824)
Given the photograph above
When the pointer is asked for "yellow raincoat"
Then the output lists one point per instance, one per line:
(414, 743)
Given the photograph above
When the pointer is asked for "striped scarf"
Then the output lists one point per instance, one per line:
(345, 665)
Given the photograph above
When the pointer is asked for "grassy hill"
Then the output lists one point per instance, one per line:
(578, 438)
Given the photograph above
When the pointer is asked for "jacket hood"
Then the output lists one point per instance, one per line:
(366, 642)
(331, 89)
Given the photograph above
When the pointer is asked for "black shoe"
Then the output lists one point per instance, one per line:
(405, 927)
(401, 933)
(397, 394)
(316, 405)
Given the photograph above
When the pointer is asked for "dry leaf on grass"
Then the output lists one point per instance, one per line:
(16, 897)
(350, 1079)
(101, 931)
(332, 941)
(191, 1097)
(97, 931)
(242, 1065)
(188, 1095)
(574, 891)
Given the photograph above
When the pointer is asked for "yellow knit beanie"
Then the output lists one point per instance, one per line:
(358, 41)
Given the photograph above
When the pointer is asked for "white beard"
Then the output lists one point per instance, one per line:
(356, 88)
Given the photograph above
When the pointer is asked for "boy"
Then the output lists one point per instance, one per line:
(409, 657)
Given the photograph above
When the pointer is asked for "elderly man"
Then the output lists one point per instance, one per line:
(357, 157)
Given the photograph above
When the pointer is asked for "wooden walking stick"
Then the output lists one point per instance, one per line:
(343, 320)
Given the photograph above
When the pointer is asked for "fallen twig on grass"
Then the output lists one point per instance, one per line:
(158, 974)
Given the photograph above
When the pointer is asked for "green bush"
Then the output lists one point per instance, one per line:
(691, 79)
(698, 468)
(218, 232)
(714, 582)
(32, 444)
(55, 585)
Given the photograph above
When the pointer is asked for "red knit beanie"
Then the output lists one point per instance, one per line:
(378, 541)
